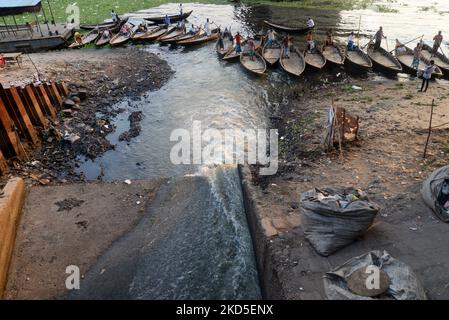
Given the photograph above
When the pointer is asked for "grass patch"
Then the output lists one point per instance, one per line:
(99, 10)
(428, 8)
(386, 9)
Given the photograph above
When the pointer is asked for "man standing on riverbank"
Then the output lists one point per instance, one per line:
(437, 40)
(427, 75)
(416, 56)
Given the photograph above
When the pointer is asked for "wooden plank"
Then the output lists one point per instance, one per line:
(56, 93)
(10, 142)
(65, 88)
(44, 101)
(36, 114)
(3, 164)
(18, 114)
(51, 95)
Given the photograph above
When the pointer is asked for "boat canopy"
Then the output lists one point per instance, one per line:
(13, 7)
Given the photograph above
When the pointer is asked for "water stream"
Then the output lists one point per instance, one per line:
(222, 95)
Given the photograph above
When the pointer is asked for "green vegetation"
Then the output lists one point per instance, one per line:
(99, 10)
(386, 9)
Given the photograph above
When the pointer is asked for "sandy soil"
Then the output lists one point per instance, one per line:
(387, 162)
(71, 222)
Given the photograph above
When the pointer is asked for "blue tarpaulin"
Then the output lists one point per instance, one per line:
(12, 7)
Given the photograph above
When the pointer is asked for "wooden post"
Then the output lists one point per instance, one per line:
(56, 92)
(17, 113)
(430, 129)
(33, 108)
(3, 164)
(63, 89)
(10, 142)
(51, 95)
(44, 101)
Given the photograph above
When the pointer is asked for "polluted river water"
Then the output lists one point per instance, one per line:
(206, 250)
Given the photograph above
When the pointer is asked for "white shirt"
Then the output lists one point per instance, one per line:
(207, 28)
(310, 23)
(351, 38)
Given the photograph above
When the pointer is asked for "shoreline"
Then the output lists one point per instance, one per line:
(386, 162)
(98, 79)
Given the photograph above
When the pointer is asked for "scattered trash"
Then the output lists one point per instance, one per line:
(127, 181)
(435, 192)
(354, 87)
(334, 217)
(402, 281)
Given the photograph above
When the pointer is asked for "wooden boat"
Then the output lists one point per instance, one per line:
(440, 59)
(227, 47)
(405, 58)
(138, 35)
(383, 60)
(257, 65)
(174, 34)
(173, 18)
(153, 35)
(86, 39)
(358, 60)
(103, 25)
(315, 60)
(201, 38)
(286, 28)
(119, 39)
(101, 40)
(272, 54)
(232, 54)
(334, 55)
(295, 64)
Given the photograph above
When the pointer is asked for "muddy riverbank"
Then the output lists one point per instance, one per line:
(98, 79)
(386, 161)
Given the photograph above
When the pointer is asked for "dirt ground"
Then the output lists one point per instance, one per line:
(387, 162)
(80, 221)
(98, 79)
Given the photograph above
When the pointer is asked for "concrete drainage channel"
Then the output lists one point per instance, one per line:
(13, 197)
(269, 282)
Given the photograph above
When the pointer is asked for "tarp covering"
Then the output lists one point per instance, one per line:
(12, 7)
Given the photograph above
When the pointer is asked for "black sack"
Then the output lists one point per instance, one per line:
(432, 195)
(327, 225)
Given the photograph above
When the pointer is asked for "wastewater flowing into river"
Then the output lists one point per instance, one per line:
(207, 250)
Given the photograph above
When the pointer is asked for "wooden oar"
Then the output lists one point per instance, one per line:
(409, 42)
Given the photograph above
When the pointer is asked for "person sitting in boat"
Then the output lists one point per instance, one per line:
(351, 44)
(286, 44)
(192, 29)
(207, 27)
(167, 21)
(238, 43)
(115, 17)
(106, 34)
(378, 38)
(437, 40)
(416, 56)
(310, 42)
(399, 47)
(310, 23)
(141, 28)
(271, 37)
(78, 37)
(181, 25)
(329, 37)
(124, 31)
